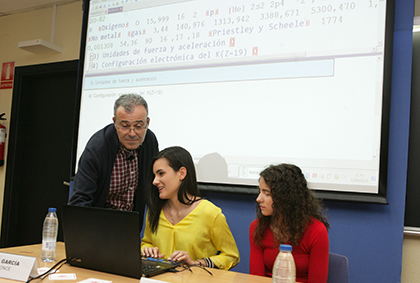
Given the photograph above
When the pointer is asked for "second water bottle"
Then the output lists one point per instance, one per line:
(284, 270)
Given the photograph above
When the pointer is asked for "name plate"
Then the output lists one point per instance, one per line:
(17, 267)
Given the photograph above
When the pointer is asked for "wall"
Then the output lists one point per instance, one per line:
(411, 259)
(370, 235)
(411, 247)
(33, 25)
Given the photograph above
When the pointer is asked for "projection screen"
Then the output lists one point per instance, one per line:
(245, 84)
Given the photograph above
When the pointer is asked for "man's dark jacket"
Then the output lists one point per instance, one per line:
(91, 183)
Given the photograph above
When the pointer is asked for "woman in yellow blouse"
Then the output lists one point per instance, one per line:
(180, 225)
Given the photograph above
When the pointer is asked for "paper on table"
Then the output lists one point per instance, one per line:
(148, 280)
(63, 276)
(94, 280)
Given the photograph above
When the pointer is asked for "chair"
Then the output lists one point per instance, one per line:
(338, 269)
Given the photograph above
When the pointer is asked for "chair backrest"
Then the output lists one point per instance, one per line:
(338, 269)
(70, 188)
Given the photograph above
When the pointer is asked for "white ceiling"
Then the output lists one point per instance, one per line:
(8, 7)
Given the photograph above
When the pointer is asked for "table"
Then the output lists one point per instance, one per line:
(197, 275)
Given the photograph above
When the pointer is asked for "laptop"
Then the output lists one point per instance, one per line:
(107, 240)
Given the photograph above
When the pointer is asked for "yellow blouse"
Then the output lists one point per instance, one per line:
(202, 233)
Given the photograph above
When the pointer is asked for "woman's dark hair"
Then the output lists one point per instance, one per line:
(293, 205)
(177, 157)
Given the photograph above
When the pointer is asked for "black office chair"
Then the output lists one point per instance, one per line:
(338, 269)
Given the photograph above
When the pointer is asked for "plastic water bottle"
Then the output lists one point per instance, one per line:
(284, 270)
(49, 235)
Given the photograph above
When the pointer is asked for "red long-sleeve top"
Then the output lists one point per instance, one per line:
(311, 255)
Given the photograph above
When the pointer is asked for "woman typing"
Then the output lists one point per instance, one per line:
(180, 225)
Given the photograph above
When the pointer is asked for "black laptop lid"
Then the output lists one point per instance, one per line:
(102, 239)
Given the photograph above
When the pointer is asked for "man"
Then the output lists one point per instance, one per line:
(112, 169)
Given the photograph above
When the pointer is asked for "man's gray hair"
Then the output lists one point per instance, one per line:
(129, 101)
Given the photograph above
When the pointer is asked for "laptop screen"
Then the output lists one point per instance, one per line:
(102, 239)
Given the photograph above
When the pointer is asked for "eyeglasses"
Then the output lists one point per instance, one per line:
(136, 128)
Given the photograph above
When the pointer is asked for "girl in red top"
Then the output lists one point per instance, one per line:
(289, 213)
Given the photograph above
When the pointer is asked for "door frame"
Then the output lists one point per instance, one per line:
(13, 174)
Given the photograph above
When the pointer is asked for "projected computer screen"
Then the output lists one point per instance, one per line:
(245, 84)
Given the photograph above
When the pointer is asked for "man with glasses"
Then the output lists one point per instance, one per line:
(112, 169)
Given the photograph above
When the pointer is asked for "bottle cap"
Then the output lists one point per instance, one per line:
(287, 248)
(52, 209)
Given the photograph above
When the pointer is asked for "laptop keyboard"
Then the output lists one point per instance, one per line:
(149, 269)
(152, 266)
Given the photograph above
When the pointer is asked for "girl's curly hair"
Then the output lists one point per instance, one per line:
(294, 204)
